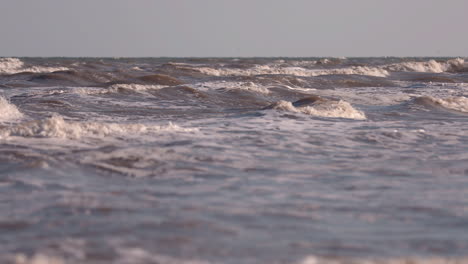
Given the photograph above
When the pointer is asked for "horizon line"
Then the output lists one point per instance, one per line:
(228, 57)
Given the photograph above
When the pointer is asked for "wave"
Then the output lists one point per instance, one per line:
(57, 127)
(459, 104)
(123, 255)
(15, 65)
(317, 106)
(133, 87)
(432, 66)
(408, 260)
(137, 255)
(229, 86)
(8, 111)
(10, 65)
(117, 88)
(295, 71)
(160, 79)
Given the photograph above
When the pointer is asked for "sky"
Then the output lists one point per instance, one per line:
(234, 28)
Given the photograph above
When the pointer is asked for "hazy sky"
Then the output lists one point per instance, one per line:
(121, 28)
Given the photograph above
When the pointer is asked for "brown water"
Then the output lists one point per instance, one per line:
(233, 160)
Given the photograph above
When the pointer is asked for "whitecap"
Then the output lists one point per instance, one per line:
(430, 66)
(134, 87)
(57, 127)
(457, 103)
(15, 65)
(295, 71)
(10, 65)
(229, 86)
(37, 259)
(116, 88)
(403, 260)
(325, 108)
(8, 111)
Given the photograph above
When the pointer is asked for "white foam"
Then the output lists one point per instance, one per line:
(359, 70)
(338, 109)
(37, 259)
(295, 71)
(302, 63)
(431, 66)
(115, 88)
(89, 91)
(138, 255)
(40, 69)
(421, 260)
(427, 66)
(134, 87)
(15, 65)
(8, 111)
(245, 86)
(454, 103)
(378, 96)
(57, 127)
(10, 65)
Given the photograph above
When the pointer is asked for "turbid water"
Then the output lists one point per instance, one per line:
(233, 160)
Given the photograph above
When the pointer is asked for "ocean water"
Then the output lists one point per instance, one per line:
(233, 160)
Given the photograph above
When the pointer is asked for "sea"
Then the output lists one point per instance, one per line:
(234, 160)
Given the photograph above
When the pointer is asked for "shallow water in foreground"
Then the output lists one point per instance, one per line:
(338, 160)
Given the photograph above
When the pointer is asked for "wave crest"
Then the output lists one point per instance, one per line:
(10, 65)
(295, 71)
(459, 104)
(299, 69)
(415, 260)
(134, 87)
(8, 111)
(57, 127)
(431, 66)
(15, 65)
(323, 108)
(230, 86)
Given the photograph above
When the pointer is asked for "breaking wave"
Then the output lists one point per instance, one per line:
(36, 259)
(295, 71)
(57, 127)
(15, 65)
(10, 65)
(459, 104)
(224, 85)
(323, 108)
(124, 255)
(134, 87)
(137, 255)
(8, 111)
(421, 260)
(117, 88)
(432, 66)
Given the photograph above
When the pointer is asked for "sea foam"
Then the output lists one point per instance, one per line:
(328, 108)
(134, 87)
(431, 66)
(420, 260)
(8, 111)
(229, 86)
(295, 71)
(10, 65)
(57, 127)
(15, 65)
(37, 259)
(459, 103)
(428, 66)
